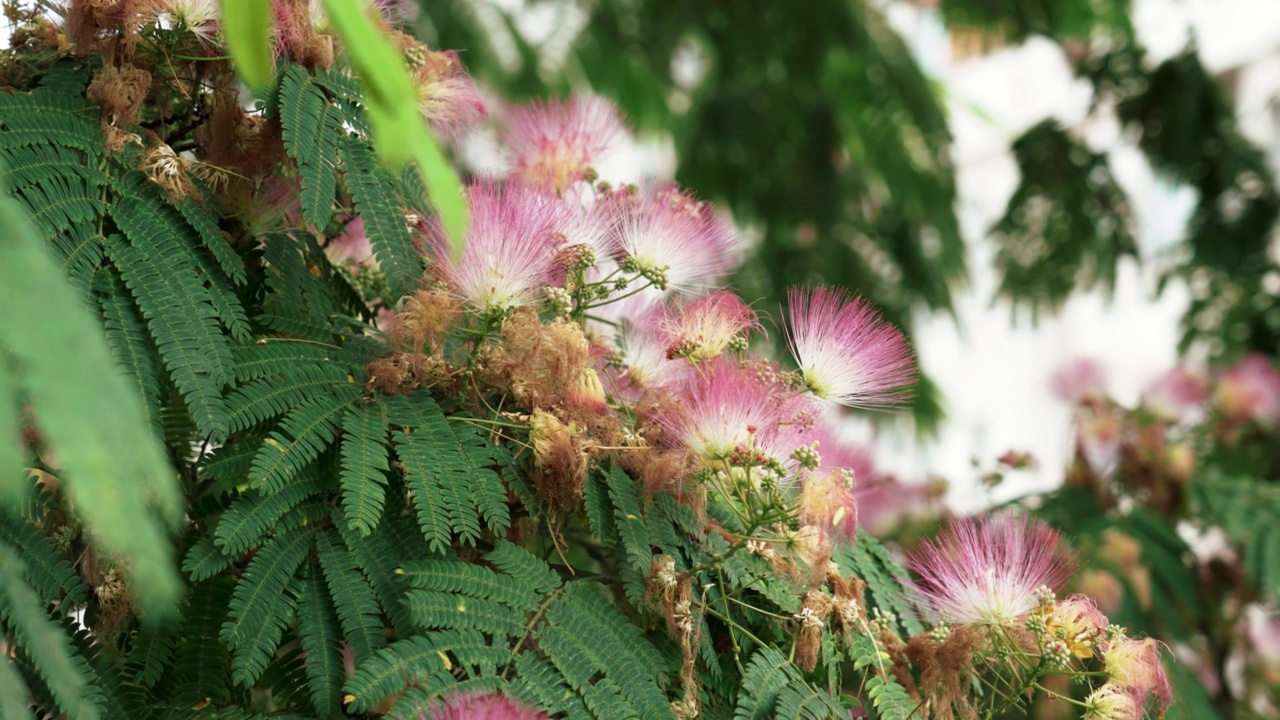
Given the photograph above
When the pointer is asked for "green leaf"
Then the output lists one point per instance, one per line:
(311, 135)
(399, 131)
(246, 24)
(113, 466)
(13, 483)
(353, 598)
(321, 642)
(263, 604)
(414, 659)
(44, 642)
(364, 466)
(304, 433)
(13, 693)
(373, 192)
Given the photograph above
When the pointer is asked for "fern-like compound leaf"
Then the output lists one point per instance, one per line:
(131, 345)
(48, 573)
(48, 648)
(373, 190)
(152, 651)
(263, 604)
(185, 331)
(254, 514)
(321, 643)
(412, 660)
(311, 138)
(267, 397)
(353, 598)
(306, 431)
(364, 466)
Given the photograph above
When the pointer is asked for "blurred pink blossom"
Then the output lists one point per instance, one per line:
(1078, 379)
(1174, 394)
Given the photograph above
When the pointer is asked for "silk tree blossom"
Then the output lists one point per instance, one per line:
(1077, 380)
(827, 501)
(702, 329)
(1135, 665)
(557, 143)
(729, 412)
(1174, 394)
(1250, 391)
(447, 96)
(846, 353)
(1079, 623)
(644, 352)
(588, 226)
(1112, 702)
(988, 570)
(677, 242)
(490, 706)
(352, 246)
(511, 251)
(202, 18)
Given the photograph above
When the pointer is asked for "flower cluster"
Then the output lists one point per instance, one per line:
(991, 583)
(597, 307)
(1150, 449)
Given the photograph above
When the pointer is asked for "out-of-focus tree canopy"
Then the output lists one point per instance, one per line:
(813, 122)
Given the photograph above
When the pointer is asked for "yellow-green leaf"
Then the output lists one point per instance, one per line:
(399, 132)
(247, 27)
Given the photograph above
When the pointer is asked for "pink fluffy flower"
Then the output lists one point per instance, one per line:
(556, 143)
(730, 412)
(677, 242)
(1135, 665)
(1175, 393)
(1078, 379)
(589, 224)
(490, 706)
(643, 343)
(846, 353)
(987, 570)
(703, 328)
(1112, 702)
(447, 96)
(202, 18)
(511, 251)
(1250, 391)
(352, 246)
(827, 501)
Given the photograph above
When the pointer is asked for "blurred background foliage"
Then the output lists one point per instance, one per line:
(812, 121)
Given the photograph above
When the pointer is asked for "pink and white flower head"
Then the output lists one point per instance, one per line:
(1135, 666)
(729, 411)
(1175, 394)
(447, 96)
(846, 353)
(988, 570)
(489, 706)
(1112, 702)
(644, 352)
(511, 251)
(1079, 623)
(588, 225)
(1077, 380)
(202, 18)
(1250, 391)
(827, 501)
(557, 143)
(679, 243)
(702, 329)
(352, 247)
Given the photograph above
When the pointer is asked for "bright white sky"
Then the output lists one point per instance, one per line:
(994, 375)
